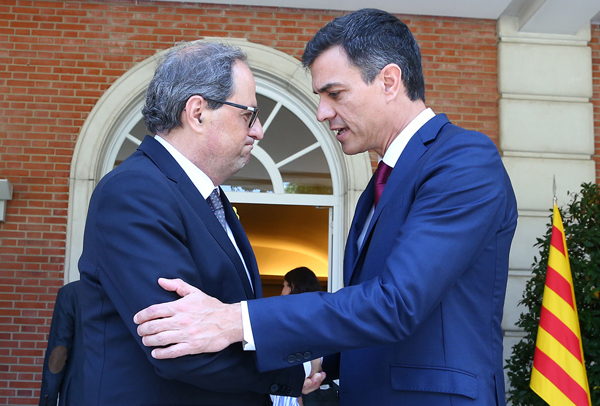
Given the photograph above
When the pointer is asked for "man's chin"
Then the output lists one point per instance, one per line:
(349, 149)
(243, 162)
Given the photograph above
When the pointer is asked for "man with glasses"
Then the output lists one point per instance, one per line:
(161, 212)
(426, 262)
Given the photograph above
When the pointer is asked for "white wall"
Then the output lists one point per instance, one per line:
(546, 131)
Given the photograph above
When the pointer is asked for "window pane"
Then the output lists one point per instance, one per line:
(128, 147)
(308, 174)
(252, 178)
(139, 131)
(286, 135)
(266, 106)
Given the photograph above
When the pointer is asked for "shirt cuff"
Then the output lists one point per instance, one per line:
(248, 343)
(307, 369)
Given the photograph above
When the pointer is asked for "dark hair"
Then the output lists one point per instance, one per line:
(302, 280)
(372, 39)
(190, 68)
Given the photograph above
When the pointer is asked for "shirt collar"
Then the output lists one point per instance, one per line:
(397, 146)
(198, 178)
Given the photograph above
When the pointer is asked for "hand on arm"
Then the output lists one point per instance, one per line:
(194, 324)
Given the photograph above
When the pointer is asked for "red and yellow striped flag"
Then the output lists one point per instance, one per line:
(558, 375)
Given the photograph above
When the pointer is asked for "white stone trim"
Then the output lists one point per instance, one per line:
(509, 31)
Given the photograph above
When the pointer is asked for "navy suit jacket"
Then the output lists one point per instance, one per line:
(419, 323)
(147, 220)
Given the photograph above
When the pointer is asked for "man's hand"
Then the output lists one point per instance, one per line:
(194, 324)
(316, 378)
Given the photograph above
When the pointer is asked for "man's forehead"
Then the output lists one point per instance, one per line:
(244, 84)
(332, 72)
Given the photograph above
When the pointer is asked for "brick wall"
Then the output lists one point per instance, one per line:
(595, 44)
(56, 60)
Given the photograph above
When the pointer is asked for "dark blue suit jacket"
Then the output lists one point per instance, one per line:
(147, 220)
(419, 323)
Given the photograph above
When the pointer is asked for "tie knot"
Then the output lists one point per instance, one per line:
(383, 173)
(381, 176)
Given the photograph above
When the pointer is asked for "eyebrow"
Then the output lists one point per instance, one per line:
(326, 87)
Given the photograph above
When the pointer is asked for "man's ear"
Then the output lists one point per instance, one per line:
(391, 77)
(192, 115)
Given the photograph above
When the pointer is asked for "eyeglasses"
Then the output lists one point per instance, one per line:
(254, 110)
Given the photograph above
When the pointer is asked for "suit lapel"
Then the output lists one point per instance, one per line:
(414, 150)
(167, 164)
(411, 154)
(191, 193)
(363, 207)
(246, 249)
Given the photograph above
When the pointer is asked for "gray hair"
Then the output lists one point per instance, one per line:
(188, 69)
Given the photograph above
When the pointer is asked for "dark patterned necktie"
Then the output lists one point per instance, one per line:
(381, 176)
(214, 200)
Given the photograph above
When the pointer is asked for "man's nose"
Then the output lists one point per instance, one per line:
(324, 111)
(256, 131)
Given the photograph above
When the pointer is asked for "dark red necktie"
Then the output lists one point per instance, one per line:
(381, 176)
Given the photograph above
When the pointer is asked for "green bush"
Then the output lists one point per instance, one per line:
(581, 219)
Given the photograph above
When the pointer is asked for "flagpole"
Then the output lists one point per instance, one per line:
(554, 199)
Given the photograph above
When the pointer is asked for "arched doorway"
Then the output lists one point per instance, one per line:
(298, 170)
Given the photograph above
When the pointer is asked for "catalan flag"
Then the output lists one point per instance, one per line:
(558, 375)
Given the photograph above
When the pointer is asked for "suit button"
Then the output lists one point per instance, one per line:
(291, 358)
(307, 355)
(299, 357)
(287, 391)
(274, 388)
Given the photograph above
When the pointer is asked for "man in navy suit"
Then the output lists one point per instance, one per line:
(162, 212)
(426, 260)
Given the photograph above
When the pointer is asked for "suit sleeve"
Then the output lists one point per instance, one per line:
(459, 200)
(140, 236)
